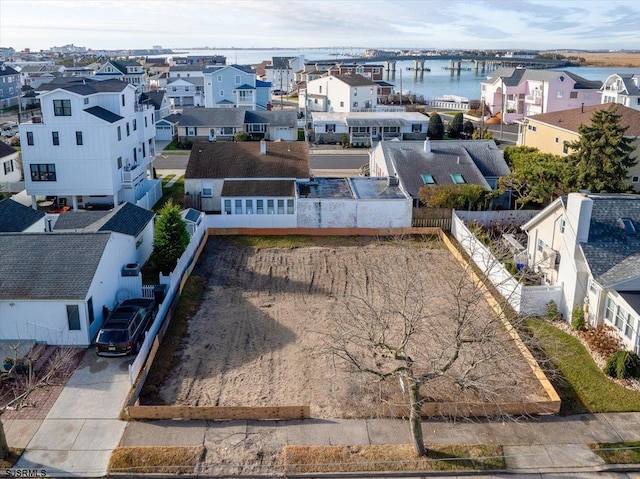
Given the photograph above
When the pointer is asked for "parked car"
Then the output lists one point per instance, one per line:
(124, 329)
(9, 129)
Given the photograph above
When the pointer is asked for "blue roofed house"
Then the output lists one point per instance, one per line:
(10, 86)
(235, 86)
(128, 71)
(18, 218)
(589, 245)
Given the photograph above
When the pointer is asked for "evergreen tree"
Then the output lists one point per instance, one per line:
(602, 155)
(456, 125)
(468, 129)
(171, 238)
(436, 127)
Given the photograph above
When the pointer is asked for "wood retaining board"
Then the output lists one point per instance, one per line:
(224, 413)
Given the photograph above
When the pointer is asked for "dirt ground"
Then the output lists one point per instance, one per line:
(261, 335)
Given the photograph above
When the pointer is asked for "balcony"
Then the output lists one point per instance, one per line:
(133, 173)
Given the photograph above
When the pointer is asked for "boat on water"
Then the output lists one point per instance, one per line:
(419, 69)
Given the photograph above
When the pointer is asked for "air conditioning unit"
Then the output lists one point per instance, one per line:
(549, 258)
(130, 269)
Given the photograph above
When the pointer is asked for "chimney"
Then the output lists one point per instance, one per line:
(427, 146)
(579, 207)
(263, 147)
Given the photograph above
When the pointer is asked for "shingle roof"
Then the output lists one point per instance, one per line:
(243, 160)
(573, 118)
(40, 266)
(153, 97)
(16, 217)
(84, 86)
(187, 68)
(6, 150)
(125, 218)
(273, 117)
(258, 187)
(355, 80)
(474, 160)
(6, 70)
(613, 255)
(212, 117)
(632, 88)
(103, 114)
(515, 76)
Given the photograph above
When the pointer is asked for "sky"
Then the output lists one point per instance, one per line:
(453, 24)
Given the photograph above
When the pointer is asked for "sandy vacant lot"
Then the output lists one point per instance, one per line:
(268, 317)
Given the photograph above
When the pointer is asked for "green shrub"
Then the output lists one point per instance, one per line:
(552, 310)
(623, 365)
(511, 268)
(240, 136)
(577, 318)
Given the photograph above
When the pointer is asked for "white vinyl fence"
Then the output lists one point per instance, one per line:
(183, 267)
(526, 300)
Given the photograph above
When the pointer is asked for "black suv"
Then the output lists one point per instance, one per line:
(123, 331)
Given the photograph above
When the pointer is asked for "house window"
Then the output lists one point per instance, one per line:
(341, 103)
(269, 207)
(135, 125)
(145, 122)
(610, 308)
(123, 102)
(55, 137)
(238, 207)
(559, 94)
(221, 92)
(416, 128)
(557, 140)
(79, 138)
(144, 150)
(573, 94)
(191, 131)
(43, 172)
(128, 131)
(563, 225)
(90, 309)
(355, 92)
(135, 156)
(73, 317)
(330, 128)
(249, 206)
(260, 207)
(457, 178)
(119, 134)
(541, 245)
(289, 207)
(207, 190)
(237, 79)
(320, 89)
(635, 179)
(227, 131)
(119, 162)
(280, 207)
(428, 179)
(62, 107)
(86, 101)
(8, 166)
(219, 77)
(227, 207)
(565, 147)
(30, 138)
(355, 104)
(315, 101)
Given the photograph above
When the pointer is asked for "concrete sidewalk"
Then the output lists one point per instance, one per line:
(82, 428)
(545, 445)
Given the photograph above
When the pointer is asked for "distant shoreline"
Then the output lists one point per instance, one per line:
(608, 59)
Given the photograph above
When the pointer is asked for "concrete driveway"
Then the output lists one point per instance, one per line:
(82, 428)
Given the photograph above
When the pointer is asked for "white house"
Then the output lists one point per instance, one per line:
(281, 72)
(128, 71)
(186, 91)
(126, 219)
(93, 146)
(369, 127)
(590, 245)
(622, 88)
(18, 218)
(340, 93)
(518, 92)
(235, 86)
(158, 99)
(55, 287)
(10, 171)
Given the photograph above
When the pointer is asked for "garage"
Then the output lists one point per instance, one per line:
(166, 129)
(283, 133)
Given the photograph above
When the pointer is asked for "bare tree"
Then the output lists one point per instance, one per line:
(430, 329)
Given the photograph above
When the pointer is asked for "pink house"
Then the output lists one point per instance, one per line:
(519, 93)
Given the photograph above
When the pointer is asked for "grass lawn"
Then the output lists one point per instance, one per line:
(618, 452)
(175, 192)
(307, 459)
(144, 460)
(583, 387)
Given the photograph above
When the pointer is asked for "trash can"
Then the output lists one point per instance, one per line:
(159, 292)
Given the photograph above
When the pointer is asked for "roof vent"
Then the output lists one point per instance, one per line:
(628, 225)
(392, 181)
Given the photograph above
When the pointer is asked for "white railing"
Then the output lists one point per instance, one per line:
(526, 300)
(451, 105)
(183, 267)
(252, 221)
